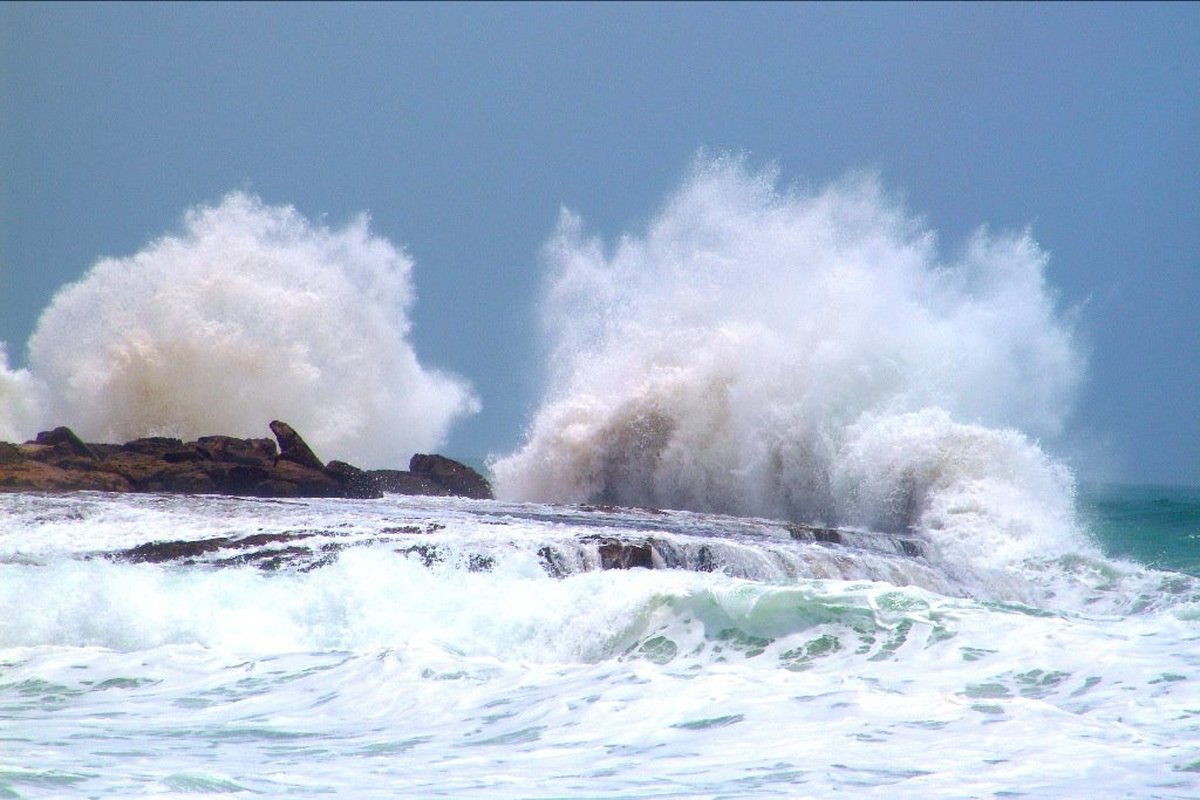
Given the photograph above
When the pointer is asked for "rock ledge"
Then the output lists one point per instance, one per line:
(59, 461)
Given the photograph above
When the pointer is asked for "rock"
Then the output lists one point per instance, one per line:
(355, 482)
(813, 533)
(144, 471)
(153, 445)
(256, 549)
(294, 448)
(238, 478)
(10, 454)
(187, 481)
(617, 554)
(103, 451)
(28, 475)
(553, 563)
(59, 461)
(148, 474)
(186, 454)
(229, 449)
(399, 481)
(308, 482)
(61, 455)
(63, 435)
(454, 477)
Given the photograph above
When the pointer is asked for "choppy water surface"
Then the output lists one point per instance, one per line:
(450, 647)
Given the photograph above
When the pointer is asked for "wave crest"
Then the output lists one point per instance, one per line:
(799, 355)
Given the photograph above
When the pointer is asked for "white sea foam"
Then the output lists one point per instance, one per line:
(250, 313)
(804, 355)
(376, 675)
(442, 679)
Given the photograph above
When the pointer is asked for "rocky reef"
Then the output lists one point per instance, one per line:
(59, 461)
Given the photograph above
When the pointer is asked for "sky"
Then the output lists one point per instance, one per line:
(464, 129)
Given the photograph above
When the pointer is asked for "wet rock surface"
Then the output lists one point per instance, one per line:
(59, 461)
(716, 546)
(458, 479)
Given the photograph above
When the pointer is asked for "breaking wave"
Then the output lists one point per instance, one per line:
(251, 313)
(808, 356)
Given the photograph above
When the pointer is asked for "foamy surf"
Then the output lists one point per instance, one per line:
(382, 671)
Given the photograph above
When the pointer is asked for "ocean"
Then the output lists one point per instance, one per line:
(814, 450)
(450, 648)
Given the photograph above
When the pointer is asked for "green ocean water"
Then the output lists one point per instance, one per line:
(1158, 526)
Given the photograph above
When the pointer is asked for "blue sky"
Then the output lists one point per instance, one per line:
(462, 130)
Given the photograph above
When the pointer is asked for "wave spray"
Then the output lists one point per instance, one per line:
(806, 356)
(251, 313)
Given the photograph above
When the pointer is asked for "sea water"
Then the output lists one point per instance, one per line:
(365, 667)
(962, 619)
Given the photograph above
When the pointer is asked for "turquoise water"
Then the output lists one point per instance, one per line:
(1158, 526)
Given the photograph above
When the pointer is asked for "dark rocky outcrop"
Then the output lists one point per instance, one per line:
(433, 475)
(59, 461)
(354, 481)
(229, 449)
(28, 474)
(577, 539)
(63, 435)
(399, 481)
(293, 448)
(256, 549)
(306, 549)
(620, 554)
(458, 479)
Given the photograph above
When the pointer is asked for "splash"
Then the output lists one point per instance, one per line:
(801, 355)
(251, 313)
(19, 392)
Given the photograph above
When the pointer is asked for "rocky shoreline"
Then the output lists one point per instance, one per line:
(59, 461)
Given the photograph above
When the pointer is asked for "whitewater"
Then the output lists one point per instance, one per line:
(782, 525)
